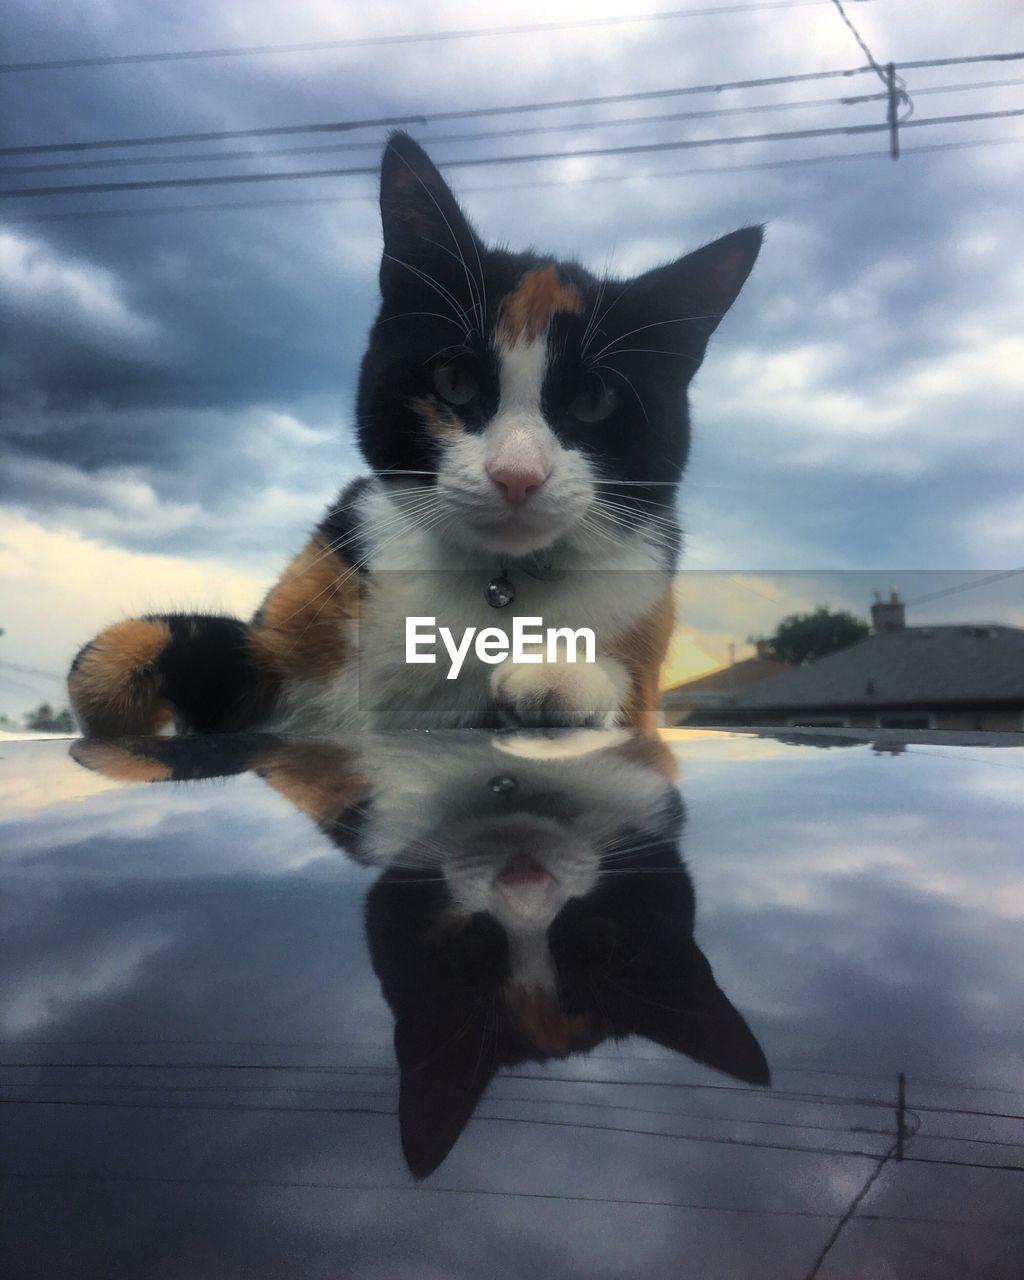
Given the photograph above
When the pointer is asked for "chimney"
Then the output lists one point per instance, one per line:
(888, 615)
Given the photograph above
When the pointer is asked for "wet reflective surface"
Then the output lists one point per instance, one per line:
(446, 1004)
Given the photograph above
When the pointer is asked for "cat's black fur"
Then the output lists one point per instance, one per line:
(659, 322)
(540, 341)
(627, 965)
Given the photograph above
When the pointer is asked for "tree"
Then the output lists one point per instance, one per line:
(805, 637)
(45, 720)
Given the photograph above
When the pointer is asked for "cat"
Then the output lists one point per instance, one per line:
(531, 901)
(526, 428)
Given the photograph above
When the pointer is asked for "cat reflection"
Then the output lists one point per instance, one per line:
(532, 903)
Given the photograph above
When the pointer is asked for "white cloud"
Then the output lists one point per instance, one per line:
(41, 282)
(111, 500)
(113, 965)
(60, 588)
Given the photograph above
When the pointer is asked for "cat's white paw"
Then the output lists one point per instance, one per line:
(545, 695)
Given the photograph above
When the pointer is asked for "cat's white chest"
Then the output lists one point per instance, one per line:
(415, 576)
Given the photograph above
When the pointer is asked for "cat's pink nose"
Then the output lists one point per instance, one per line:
(517, 483)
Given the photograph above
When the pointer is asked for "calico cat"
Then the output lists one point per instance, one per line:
(526, 428)
(532, 900)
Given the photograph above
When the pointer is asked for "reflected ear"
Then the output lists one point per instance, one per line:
(703, 285)
(693, 1016)
(445, 1067)
(421, 219)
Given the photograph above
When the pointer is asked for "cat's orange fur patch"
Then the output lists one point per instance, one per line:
(300, 631)
(650, 751)
(541, 1019)
(120, 763)
(114, 687)
(437, 422)
(642, 650)
(526, 312)
(321, 780)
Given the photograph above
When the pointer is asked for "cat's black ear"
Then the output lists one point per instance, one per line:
(446, 1064)
(702, 286)
(420, 217)
(694, 1016)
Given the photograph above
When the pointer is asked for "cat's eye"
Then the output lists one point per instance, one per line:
(455, 383)
(594, 403)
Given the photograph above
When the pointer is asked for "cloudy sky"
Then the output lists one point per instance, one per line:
(178, 363)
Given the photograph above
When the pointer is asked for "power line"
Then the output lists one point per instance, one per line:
(479, 112)
(356, 1070)
(495, 1099)
(825, 1099)
(374, 144)
(852, 1209)
(463, 113)
(420, 37)
(29, 671)
(964, 1086)
(872, 60)
(430, 1188)
(491, 1099)
(580, 1125)
(1015, 56)
(966, 87)
(789, 1095)
(245, 205)
(647, 148)
(966, 586)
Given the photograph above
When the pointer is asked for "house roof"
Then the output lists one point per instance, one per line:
(914, 666)
(727, 679)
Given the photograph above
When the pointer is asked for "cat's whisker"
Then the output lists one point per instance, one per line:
(635, 484)
(412, 880)
(588, 332)
(644, 871)
(475, 299)
(619, 374)
(451, 232)
(614, 302)
(456, 348)
(654, 1004)
(408, 315)
(465, 321)
(620, 524)
(651, 351)
(335, 586)
(440, 289)
(634, 507)
(656, 324)
(337, 544)
(615, 848)
(627, 523)
(455, 240)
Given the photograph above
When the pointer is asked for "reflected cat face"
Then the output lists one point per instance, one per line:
(543, 910)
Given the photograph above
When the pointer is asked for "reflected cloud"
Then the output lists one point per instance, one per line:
(532, 900)
(228, 1101)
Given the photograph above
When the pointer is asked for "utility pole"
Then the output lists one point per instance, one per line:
(893, 111)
